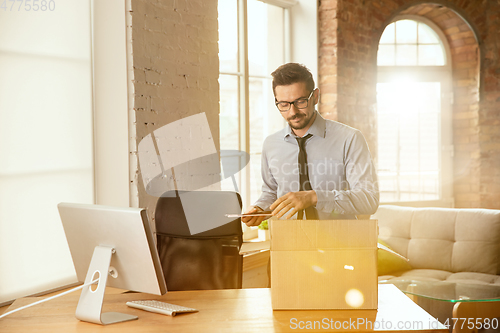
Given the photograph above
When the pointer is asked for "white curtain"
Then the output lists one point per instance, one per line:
(45, 140)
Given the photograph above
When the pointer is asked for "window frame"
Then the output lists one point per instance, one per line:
(304, 15)
(442, 74)
(243, 76)
(111, 107)
(40, 187)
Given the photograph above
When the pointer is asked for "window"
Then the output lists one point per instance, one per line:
(50, 150)
(255, 37)
(46, 153)
(252, 43)
(410, 43)
(413, 108)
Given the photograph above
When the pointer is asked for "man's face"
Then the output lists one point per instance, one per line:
(298, 119)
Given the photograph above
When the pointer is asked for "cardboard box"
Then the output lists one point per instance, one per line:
(323, 264)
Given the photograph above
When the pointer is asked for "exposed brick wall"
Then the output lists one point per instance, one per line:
(327, 62)
(349, 31)
(175, 68)
(487, 18)
(345, 65)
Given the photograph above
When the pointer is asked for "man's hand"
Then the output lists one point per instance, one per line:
(252, 221)
(293, 202)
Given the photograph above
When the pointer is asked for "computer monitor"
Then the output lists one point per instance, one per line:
(116, 245)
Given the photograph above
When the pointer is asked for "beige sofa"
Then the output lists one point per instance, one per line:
(459, 245)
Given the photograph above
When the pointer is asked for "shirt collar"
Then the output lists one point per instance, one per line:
(318, 127)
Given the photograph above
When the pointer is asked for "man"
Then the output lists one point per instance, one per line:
(314, 165)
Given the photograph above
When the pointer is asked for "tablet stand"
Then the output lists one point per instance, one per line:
(90, 305)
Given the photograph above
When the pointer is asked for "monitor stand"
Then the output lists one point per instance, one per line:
(90, 305)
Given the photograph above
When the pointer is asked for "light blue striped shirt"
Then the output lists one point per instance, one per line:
(341, 169)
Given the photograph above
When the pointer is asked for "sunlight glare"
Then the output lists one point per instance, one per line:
(317, 269)
(354, 298)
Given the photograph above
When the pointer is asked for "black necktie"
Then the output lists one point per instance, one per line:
(305, 185)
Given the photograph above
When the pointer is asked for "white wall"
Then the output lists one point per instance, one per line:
(111, 109)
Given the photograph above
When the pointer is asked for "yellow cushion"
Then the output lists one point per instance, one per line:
(390, 263)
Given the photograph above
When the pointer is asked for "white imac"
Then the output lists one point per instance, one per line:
(117, 246)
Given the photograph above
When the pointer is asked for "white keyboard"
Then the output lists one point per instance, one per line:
(160, 307)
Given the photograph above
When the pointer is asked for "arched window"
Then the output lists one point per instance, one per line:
(410, 43)
(413, 108)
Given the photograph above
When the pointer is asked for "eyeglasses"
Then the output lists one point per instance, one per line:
(300, 103)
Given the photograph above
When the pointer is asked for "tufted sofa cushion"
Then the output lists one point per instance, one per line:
(444, 243)
(438, 275)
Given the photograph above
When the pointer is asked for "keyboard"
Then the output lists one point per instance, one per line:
(160, 307)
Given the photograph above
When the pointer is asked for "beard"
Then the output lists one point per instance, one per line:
(305, 120)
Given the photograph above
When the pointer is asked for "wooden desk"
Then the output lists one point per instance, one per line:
(236, 310)
(255, 270)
